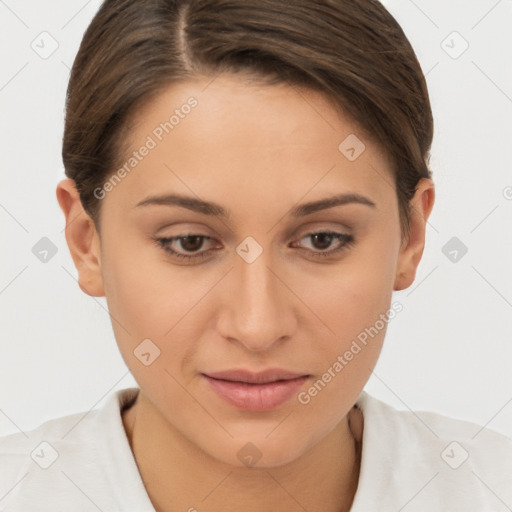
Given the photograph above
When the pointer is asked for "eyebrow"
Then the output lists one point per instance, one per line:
(214, 209)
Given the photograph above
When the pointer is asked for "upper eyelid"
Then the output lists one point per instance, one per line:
(345, 230)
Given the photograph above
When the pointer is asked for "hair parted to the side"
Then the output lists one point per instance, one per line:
(352, 51)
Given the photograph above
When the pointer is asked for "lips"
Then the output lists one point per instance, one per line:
(255, 391)
(264, 377)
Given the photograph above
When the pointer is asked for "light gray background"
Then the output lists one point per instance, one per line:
(449, 351)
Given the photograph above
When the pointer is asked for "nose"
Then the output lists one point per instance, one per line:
(257, 309)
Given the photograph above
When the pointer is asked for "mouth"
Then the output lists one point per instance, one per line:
(255, 391)
(265, 377)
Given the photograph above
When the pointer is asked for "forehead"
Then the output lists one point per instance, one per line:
(225, 134)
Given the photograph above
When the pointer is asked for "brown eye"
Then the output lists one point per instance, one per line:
(186, 247)
(321, 242)
(191, 242)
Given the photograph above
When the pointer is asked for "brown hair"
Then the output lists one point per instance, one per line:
(353, 51)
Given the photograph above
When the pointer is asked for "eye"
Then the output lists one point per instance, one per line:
(321, 241)
(190, 243)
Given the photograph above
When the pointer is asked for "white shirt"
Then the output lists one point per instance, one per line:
(410, 462)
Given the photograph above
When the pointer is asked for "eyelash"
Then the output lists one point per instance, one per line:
(164, 243)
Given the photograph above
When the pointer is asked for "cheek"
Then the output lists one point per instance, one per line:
(368, 281)
(139, 300)
(357, 308)
(148, 298)
(351, 295)
(353, 299)
(143, 292)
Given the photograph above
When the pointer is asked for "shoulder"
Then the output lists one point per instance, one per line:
(427, 425)
(69, 463)
(436, 461)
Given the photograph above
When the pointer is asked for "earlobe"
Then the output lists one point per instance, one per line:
(412, 250)
(82, 239)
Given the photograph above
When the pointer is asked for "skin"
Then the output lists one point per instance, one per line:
(258, 151)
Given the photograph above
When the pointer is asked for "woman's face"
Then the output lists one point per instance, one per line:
(252, 288)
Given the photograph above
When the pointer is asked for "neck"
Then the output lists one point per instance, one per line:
(180, 476)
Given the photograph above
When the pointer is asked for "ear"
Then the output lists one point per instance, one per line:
(412, 247)
(82, 238)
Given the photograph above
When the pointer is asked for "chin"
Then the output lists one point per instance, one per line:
(258, 452)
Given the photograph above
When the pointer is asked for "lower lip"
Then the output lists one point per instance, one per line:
(256, 397)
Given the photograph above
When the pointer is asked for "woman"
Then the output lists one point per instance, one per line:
(247, 186)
